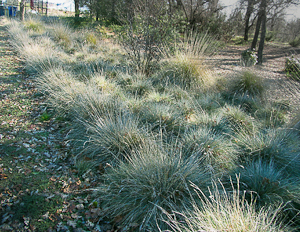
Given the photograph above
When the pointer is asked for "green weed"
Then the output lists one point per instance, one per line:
(295, 42)
(159, 97)
(91, 39)
(45, 116)
(33, 206)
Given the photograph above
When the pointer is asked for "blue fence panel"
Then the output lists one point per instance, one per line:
(12, 10)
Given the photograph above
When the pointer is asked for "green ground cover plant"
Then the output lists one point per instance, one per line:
(160, 139)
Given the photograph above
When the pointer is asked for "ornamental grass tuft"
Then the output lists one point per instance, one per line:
(225, 211)
(248, 83)
(151, 179)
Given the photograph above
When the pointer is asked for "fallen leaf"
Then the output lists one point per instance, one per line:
(46, 215)
(80, 206)
(74, 215)
(26, 220)
(72, 223)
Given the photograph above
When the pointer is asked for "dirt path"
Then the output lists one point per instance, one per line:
(227, 62)
(228, 59)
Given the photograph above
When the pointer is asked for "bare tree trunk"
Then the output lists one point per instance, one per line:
(22, 10)
(129, 11)
(247, 19)
(263, 32)
(113, 16)
(97, 9)
(257, 29)
(77, 12)
(246, 33)
(97, 15)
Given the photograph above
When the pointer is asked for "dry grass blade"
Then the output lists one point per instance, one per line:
(225, 211)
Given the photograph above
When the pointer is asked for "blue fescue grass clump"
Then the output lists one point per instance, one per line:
(161, 116)
(273, 114)
(138, 85)
(151, 179)
(215, 150)
(113, 136)
(278, 145)
(248, 83)
(236, 118)
(267, 183)
(226, 210)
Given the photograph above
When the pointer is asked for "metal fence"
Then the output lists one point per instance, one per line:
(11, 8)
(39, 6)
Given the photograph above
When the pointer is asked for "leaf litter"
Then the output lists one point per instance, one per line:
(40, 190)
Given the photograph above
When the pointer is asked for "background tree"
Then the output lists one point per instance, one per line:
(263, 6)
(147, 26)
(234, 25)
(291, 30)
(77, 11)
(249, 12)
(258, 25)
(22, 10)
(104, 9)
(275, 10)
(198, 12)
(265, 9)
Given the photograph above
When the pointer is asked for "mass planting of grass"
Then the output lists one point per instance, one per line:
(163, 139)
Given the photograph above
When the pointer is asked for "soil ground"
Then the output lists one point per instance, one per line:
(279, 87)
